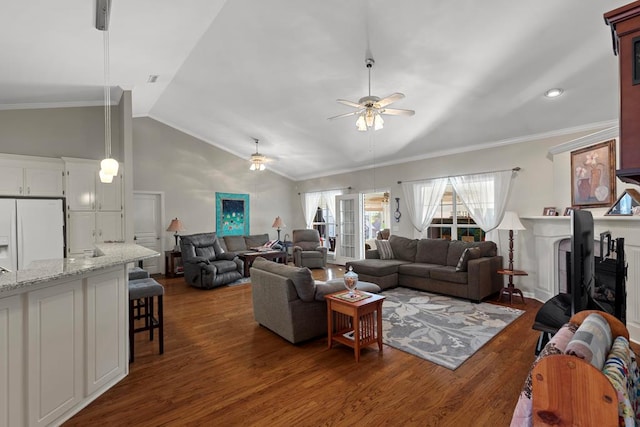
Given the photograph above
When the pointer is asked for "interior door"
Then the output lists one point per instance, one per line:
(349, 228)
(147, 227)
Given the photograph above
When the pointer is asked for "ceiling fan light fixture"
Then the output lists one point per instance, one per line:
(361, 124)
(378, 123)
(257, 160)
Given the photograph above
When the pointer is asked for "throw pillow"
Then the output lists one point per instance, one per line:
(384, 249)
(467, 254)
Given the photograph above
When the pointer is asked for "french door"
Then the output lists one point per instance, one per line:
(349, 228)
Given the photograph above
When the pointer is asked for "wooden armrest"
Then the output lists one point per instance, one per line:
(565, 389)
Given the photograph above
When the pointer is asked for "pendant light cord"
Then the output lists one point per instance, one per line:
(107, 92)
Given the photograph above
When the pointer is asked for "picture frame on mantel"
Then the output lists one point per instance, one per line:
(593, 175)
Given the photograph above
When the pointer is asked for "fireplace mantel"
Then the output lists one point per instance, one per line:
(549, 231)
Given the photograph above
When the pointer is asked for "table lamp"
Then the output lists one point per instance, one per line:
(175, 226)
(278, 223)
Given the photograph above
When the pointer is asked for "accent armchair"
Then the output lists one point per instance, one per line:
(307, 250)
(206, 264)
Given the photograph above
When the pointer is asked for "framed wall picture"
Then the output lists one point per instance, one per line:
(593, 175)
(232, 214)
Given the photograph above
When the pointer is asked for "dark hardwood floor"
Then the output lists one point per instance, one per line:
(221, 368)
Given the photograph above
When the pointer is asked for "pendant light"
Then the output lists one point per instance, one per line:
(108, 166)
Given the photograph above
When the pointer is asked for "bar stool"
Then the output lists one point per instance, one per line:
(141, 306)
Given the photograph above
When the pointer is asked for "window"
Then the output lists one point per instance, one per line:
(325, 223)
(452, 220)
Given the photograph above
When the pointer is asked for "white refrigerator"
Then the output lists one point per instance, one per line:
(30, 229)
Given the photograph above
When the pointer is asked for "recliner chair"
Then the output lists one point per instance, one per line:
(307, 250)
(206, 264)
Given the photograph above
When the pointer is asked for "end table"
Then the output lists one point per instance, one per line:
(170, 265)
(354, 323)
(511, 289)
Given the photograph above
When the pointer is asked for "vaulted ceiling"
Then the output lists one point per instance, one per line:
(230, 71)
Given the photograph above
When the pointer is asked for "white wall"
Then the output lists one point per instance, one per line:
(190, 172)
(58, 132)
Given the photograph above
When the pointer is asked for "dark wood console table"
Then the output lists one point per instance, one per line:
(249, 257)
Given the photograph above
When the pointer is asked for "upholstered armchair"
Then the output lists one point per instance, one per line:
(307, 250)
(206, 264)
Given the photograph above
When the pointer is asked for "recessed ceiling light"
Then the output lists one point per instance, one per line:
(553, 93)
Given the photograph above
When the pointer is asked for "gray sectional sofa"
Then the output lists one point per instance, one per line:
(241, 244)
(433, 265)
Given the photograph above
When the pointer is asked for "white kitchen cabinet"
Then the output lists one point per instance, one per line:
(106, 329)
(109, 196)
(30, 176)
(94, 209)
(55, 359)
(109, 227)
(11, 366)
(81, 185)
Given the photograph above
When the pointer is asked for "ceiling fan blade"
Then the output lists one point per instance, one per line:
(353, 113)
(390, 99)
(349, 103)
(397, 112)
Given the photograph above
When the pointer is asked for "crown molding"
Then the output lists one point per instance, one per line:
(587, 140)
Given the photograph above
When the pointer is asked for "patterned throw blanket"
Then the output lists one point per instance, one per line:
(591, 341)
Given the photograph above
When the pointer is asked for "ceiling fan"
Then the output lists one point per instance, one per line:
(370, 109)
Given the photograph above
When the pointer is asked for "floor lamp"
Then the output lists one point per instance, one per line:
(511, 222)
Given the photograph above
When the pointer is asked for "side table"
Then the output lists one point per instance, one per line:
(354, 323)
(170, 265)
(511, 289)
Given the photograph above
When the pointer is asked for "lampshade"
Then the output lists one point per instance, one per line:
(105, 178)
(109, 166)
(278, 223)
(361, 125)
(511, 221)
(176, 225)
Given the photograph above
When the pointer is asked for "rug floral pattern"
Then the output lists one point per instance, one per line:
(441, 329)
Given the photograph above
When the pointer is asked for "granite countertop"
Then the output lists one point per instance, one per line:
(107, 255)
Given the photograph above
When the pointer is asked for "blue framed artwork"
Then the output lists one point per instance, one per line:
(232, 214)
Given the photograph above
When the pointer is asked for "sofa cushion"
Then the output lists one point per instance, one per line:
(467, 254)
(403, 248)
(235, 243)
(417, 269)
(456, 248)
(432, 251)
(207, 252)
(487, 248)
(255, 240)
(300, 276)
(449, 274)
(384, 249)
(376, 267)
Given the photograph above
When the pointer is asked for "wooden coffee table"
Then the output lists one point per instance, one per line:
(249, 257)
(363, 319)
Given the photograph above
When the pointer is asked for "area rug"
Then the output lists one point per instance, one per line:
(240, 281)
(440, 329)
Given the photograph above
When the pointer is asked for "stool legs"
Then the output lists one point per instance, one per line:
(143, 308)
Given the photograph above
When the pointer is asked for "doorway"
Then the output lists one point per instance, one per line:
(148, 220)
(376, 215)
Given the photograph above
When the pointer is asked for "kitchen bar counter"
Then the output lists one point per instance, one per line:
(63, 325)
(108, 255)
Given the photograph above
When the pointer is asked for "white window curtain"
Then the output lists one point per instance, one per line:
(310, 203)
(422, 199)
(330, 199)
(485, 195)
